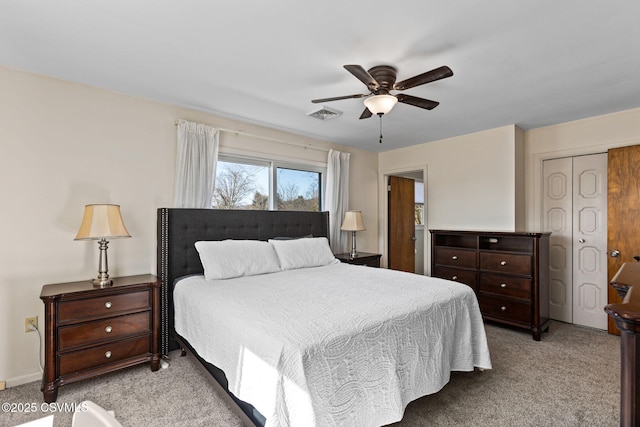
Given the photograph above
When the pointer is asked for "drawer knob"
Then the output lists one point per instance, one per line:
(503, 308)
(107, 304)
(107, 355)
(454, 257)
(108, 329)
(503, 262)
(503, 285)
(454, 278)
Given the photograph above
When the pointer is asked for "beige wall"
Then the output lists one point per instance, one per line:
(64, 145)
(470, 181)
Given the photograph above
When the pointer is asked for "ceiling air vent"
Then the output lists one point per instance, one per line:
(325, 113)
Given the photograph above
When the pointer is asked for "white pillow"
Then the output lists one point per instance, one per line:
(226, 259)
(305, 252)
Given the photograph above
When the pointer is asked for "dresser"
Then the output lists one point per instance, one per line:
(91, 331)
(509, 271)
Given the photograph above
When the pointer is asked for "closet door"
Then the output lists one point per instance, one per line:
(558, 218)
(590, 240)
(575, 211)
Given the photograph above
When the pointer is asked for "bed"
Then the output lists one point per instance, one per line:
(314, 341)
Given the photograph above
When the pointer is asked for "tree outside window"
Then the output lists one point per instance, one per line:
(241, 185)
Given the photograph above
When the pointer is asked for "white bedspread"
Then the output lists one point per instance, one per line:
(339, 345)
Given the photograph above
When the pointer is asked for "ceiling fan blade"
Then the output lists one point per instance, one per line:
(363, 75)
(366, 113)
(427, 104)
(337, 98)
(428, 77)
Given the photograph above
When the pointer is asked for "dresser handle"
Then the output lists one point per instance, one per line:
(503, 308)
(454, 278)
(454, 257)
(108, 329)
(107, 355)
(503, 262)
(503, 285)
(107, 304)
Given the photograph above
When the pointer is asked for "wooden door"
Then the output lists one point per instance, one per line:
(402, 226)
(623, 238)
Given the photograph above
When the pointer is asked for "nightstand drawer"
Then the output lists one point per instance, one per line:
(456, 257)
(108, 329)
(506, 263)
(110, 305)
(101, 355)
(468, 277)
(505, 309)
(519, 287)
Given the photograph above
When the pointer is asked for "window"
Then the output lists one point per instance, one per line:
(419, 203)
(262, 184)
(241, 186)
(298, 190)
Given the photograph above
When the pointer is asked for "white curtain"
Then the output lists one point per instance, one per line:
(195, 165)
(337, 197)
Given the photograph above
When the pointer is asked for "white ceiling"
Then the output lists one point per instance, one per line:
(530, 63)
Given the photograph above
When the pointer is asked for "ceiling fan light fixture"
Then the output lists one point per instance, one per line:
(380, 104)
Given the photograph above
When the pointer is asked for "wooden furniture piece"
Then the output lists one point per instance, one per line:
(362, 258)
(91, 331)
(509, 272)
(627, 317)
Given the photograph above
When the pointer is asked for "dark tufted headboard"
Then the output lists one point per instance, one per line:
(179, 229)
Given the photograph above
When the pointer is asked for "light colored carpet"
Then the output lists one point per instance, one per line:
(570, 378)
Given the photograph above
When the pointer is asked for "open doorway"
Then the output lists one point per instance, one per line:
(405, 218)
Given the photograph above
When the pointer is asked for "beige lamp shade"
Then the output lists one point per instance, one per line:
(101, 221)
(353, 221)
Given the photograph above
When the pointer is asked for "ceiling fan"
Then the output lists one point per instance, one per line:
(380, 80)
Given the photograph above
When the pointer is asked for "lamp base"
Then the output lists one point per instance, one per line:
(353, 252)
(101, 283)
(103, 276)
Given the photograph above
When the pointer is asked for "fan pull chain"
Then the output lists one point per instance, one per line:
(380, 115)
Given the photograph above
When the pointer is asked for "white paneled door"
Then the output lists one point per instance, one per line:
(575, 211)
(558, 218)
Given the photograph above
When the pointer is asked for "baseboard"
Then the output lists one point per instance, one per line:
(16, 381)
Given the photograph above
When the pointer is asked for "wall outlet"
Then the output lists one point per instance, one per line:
(3, 385)
(28, 321)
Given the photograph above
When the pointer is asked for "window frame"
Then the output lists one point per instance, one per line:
(273, 165)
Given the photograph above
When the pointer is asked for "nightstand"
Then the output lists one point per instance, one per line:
(362, 258)
(91, 331)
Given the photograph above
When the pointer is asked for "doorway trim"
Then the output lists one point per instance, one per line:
(383, 216)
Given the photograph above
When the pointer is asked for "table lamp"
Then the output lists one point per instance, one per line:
(99, 223)
(353, 222)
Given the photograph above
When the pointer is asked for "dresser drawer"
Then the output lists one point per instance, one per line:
(519, 287)
(100, 330)
(468, 277)
(506, 263)
(500, 308)
(108, 305)
(108, 353)
(456, 257)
